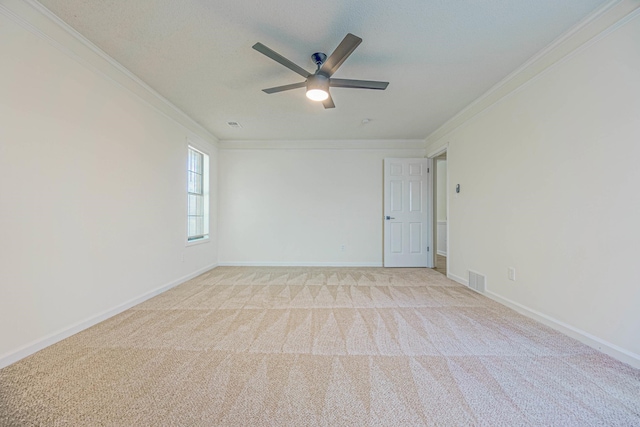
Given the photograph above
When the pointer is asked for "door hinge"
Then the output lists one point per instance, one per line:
(427, 170)
(428, 249)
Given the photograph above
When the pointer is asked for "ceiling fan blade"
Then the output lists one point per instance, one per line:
(358, 84)
(285, 87)
(342, 52)
(328, 103)
(281, 59)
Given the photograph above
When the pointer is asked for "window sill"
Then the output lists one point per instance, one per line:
(197, 242)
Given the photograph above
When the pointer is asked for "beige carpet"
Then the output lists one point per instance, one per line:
(315, 347)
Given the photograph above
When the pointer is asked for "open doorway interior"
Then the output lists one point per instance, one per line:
(440, 201)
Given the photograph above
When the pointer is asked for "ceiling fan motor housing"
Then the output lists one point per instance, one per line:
(318, 87)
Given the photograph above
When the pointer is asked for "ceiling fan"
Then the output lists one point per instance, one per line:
(318, 83)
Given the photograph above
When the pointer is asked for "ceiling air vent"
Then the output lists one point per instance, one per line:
(234, 125)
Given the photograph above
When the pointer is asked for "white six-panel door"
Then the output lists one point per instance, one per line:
(406, 213)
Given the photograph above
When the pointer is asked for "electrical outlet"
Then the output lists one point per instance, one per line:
(511, 273)
(343, 248)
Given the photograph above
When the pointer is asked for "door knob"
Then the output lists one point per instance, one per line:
(388, 217)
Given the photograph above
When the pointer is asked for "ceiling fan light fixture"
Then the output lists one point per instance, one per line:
(318, 87)
(317, 94)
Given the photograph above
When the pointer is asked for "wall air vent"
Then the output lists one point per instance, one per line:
(477, 281)
(234, 125)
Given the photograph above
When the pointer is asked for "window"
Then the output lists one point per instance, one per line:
(197, 195)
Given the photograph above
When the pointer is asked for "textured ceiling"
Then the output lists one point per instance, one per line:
(438, 55)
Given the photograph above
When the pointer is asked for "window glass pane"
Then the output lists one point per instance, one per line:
(192, 155)
(191, 184)
(198, 163)
(195, 205)
(195, 161)
(199, 225)
(196, 226)
(194, 183)
(198, 184)
(192, 226)
(199, 206)
(191, 205)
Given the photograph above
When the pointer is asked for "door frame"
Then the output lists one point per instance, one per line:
(434, 220)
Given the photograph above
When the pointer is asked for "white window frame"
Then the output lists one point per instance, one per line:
(205, 194)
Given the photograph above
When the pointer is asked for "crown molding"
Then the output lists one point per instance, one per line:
(40, 21)
(347, 144)
(602, 22)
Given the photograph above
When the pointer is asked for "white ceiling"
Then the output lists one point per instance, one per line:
(438, 55)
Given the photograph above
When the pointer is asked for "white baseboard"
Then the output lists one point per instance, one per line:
(584, 337)
(612, 350)
(458, 279)
(39, 344)
(299, 264)
(442, 253)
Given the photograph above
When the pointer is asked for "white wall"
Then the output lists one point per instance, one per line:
(549, 179)
(92, 194)
(299, 206)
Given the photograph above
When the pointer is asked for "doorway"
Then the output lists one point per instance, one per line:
(440, 216)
